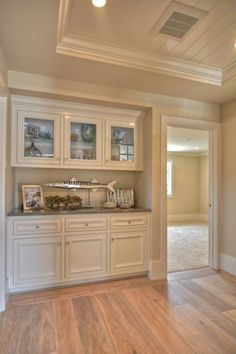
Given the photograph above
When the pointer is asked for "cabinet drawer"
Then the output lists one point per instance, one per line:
(128, 221)
(85, 223)
(34, 226)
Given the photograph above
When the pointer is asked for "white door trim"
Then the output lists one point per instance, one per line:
(3, 119)
(214, 130)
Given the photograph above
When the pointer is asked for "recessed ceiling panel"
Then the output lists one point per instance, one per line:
(120, 21)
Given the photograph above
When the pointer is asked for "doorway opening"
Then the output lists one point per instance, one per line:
(213, 129)
(187, 198)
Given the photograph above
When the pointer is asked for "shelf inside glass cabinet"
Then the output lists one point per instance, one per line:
(122, 144)
(38, 138)
(83, 141)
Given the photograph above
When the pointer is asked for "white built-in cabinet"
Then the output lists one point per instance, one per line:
(48, 133)
(47, 251)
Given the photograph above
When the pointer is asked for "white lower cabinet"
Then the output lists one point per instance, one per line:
(48, 251)
(128, 252)
(36, 260)
(86, 255)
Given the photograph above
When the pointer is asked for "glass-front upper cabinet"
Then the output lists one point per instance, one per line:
(38, 138)
(122, 144)
(83, 142)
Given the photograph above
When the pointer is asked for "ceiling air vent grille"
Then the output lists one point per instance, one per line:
(178, 24)
(177, 20)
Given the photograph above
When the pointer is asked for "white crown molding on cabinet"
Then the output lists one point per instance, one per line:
(72, 45)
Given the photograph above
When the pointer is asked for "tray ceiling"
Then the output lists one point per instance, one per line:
(119, 46)
(125, 33)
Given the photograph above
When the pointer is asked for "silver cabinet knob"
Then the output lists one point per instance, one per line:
(37, 226)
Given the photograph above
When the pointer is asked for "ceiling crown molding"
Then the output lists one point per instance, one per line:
(229, 71)
(73, 45)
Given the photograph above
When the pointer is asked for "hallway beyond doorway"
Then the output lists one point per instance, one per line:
(187, 245)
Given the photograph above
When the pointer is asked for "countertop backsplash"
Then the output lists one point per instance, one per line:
(39, 176)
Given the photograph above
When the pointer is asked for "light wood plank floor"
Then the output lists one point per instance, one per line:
(194, 312)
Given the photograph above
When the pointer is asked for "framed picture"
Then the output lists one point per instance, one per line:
(32, 196)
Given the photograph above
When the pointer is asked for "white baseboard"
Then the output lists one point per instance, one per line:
(228, 264)
(156, 270)
(186, 217)
(203, 217)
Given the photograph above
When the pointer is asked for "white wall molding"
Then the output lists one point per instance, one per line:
(3, 70)
(3, 119)
(203, 217)
(86, 48)
(186, 217)
(156, 270)
(228, 263)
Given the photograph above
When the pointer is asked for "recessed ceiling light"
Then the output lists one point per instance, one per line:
(196, 148)
(99, 3)
(235, 44)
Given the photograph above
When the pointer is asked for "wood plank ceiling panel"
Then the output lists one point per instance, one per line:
(219, 57)
(146, 40)
(171, 44)
(213, 38)
(215, 47)
(213, 17)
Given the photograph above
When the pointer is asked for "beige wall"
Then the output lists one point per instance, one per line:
(190, 189)
(229, 179)
(186, 186)
(204, 184)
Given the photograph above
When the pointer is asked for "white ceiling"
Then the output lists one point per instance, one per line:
(116, 46)
(181, 140)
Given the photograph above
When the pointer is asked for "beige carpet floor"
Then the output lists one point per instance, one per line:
(187, 246)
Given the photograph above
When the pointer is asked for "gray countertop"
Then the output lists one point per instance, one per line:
(96, 210)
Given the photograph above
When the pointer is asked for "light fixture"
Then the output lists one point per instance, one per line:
(235, 44)
(99, 3)
(196, 148)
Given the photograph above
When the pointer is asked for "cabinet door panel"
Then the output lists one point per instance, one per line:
(85, 255)
(83, 141)
(38, 138)
(37, 260)
(128, 252)
(123, 144)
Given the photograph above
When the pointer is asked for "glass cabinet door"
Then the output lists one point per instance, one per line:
(121, 141)
(82, 143)
(122, 144)
(39, 138)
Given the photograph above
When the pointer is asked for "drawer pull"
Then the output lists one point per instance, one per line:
(129, 222)
(113, 239)
(58, 243)
(67, 243)
(87, 224)
(37, 226)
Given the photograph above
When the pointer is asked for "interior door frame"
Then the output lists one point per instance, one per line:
(3, 286)
(214, 215)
